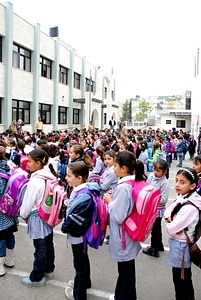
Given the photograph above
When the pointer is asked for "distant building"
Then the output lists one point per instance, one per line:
(41, 75)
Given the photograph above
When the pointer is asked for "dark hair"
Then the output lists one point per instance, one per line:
(128, 147)
(111, 153)
(100, 150)
(190, 175)
(127, 159)
(78, 149)
(20, 146)
(79, 168)
(163, 165)
(39, 155)
(197, 158)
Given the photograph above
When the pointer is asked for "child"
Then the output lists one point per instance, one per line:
(120, 205)
(99, 166)
(8, 225)
(197, 168)
(77, 174)
(182, 219)
(180, 151)
(108, 178)
(158, 179)
(38, 230)
(143, 157)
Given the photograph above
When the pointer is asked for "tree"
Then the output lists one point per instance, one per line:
(126, 110)
(143, 108)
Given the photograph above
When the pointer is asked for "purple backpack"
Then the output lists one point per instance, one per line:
(13, 196)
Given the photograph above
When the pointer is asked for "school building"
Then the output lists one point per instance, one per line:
(41, 75)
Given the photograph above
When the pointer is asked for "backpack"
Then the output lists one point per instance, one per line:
(87, 218)
(93, 177)
(195, 247)
(53, 214)
(172, 146)
(24, 162)
(139, 223)
(12, 198)
(62, 173)
(4, 176)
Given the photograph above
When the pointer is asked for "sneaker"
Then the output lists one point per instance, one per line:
(111, 297)
(26, 281)
(49, 275)
(69, 293)
(71, 283)
(151, 251)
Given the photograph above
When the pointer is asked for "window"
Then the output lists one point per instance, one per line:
(0, 48)
(45, 113)
(89, 85)
(21, 110)
(168, 121)
(45, 67)
(21, 58)
(63, 75)
(112, 95)
(105, 118)
(77, 81)
(62, 115)
(75, 116)
(105, 93)
(181, 124)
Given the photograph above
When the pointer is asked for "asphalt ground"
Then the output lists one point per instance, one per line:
(153, 276)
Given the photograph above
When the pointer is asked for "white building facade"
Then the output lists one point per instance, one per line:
(43, 76)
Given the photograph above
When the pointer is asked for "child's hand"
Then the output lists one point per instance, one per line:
(107, 198)
(110, 192)
(168, 220)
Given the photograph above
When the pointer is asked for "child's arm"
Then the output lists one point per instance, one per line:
(107, 181)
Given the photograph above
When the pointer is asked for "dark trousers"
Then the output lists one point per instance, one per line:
(43, 257)
(156, 234)
(183, 287)
(82, 279)
(125, 287)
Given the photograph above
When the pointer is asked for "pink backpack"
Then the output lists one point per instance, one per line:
(139, 223)
(24, 162)
(54, 214)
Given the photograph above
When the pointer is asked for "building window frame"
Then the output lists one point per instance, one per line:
(63, 75)
(1, 47)
(21, 110)
(89, 85)
(168, 122)
(62, 115)
(105, 118)
(21, 58)
(76, 116)
(77, 80)
(44, 112)
(45, 67)
(180, 123)
(105, 92)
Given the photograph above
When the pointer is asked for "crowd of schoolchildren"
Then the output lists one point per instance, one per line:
(110, 158)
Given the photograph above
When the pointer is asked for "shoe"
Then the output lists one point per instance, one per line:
(151, 251)
(178, 166)
(111, 297)
(161, 248)
(71, 283)
(26, 281)
(69, 293)
(9, 261)
(2, 269)
(107, 238)
(49, 275)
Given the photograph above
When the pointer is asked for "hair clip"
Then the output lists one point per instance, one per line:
(43, 160)
(189, 172)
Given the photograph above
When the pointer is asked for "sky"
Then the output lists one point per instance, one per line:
(149, 44)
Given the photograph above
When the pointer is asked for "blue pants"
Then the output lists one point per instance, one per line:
(43, 257)
(82, 279)
(180, 160)
(9, 243)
